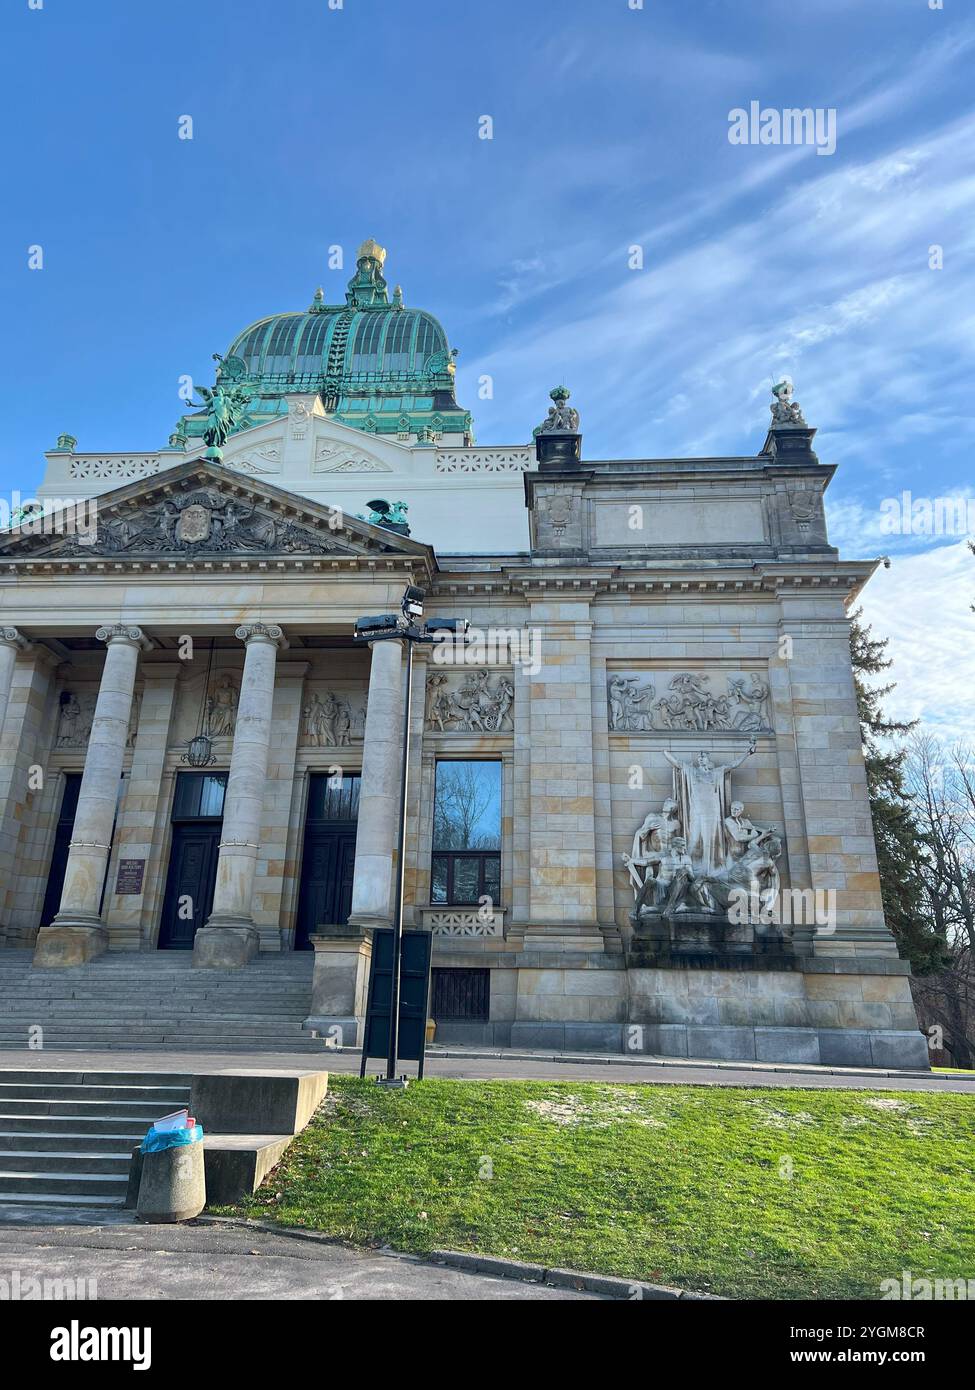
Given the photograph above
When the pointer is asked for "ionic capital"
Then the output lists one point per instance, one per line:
(262, 632)
(124, 632)
(10, 637)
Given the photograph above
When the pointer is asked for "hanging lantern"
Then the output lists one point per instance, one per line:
(199, 752)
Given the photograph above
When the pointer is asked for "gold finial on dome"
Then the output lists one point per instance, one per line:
(373, 250)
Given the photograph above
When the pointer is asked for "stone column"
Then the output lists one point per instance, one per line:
(25, 741)
(78, 933)
(11, 645)
(128, 914)
(230, 937)
(375, 844)
(277, 861)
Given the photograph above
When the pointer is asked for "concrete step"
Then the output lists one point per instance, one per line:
(46, 1089)
(108, 1126)
(38, 1141)
(67, 1164)
(136, 1111)
(142, 1079)
(55, 1199)
(21, 1180)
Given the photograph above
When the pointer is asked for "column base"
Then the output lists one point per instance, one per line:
(225, 946)
(64, 944)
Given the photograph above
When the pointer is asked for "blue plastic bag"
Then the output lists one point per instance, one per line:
(154, 1142)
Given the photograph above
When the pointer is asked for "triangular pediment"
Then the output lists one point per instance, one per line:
(202, 510)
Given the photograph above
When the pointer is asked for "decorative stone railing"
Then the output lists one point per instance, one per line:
(120, 466)
(463, 921)
(484, 460)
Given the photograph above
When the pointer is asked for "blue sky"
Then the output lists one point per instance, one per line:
(315, 126)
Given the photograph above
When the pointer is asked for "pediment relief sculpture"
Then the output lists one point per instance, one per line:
(200, 522)
(470, 702)
(691, 705)
(195, 509)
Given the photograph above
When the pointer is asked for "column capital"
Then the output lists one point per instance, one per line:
(124, 632)
(262, 632)
(10, 637)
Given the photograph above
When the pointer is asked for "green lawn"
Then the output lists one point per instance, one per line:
(745, 1192)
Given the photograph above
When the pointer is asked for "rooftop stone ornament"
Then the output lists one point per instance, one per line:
(785, 411)
(558, 442)
(562, 418)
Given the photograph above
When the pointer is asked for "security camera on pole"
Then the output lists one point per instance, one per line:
(403, 627)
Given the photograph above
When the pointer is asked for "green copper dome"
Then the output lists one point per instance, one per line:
(359, 347)
(376, 365)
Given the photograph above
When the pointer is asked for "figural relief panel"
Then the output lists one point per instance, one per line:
(470, 702)
(333, 717)
(76, 714)
(689, 702)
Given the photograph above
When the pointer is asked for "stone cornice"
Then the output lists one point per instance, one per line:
(804, 577)
(221, 564)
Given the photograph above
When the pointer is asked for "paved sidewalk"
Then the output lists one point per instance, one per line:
(131, 1261)
(478, 1064)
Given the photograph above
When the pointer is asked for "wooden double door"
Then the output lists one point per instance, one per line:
(195, 846)
(328, 858)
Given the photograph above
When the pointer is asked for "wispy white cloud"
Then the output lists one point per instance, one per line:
(923, 605)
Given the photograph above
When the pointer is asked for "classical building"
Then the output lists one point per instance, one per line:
(638, 815)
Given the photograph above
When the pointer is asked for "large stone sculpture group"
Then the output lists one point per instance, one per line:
(701, 854)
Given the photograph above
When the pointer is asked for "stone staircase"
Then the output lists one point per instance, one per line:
(156, 999)
(66, 1138)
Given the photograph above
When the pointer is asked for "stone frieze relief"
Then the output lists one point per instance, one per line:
(690, 702)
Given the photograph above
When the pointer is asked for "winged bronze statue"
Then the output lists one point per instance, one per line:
(225, 407)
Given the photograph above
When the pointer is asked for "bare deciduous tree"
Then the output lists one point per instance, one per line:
(941, 783)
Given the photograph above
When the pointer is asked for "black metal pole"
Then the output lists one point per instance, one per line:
(394, 988)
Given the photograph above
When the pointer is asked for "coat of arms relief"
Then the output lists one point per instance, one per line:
(203, 521)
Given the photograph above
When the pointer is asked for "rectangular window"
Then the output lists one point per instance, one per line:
(466, 833)
(199, 795)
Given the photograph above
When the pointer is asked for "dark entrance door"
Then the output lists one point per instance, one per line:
(197, 821)
(62, 839)
(328, 860)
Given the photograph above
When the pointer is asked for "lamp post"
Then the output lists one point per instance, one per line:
(403, 627)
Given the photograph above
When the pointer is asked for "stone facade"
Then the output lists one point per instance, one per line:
(632, 621)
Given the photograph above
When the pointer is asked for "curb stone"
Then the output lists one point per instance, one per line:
(629, 1290)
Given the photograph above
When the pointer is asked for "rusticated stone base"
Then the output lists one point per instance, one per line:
(63, 945)
(225, 947)
(829, 1012)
